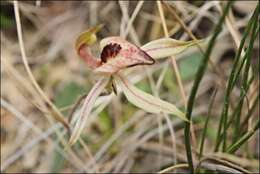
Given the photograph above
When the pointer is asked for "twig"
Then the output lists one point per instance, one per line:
(130, 22)
(168, 121)
(216, 69)
(55, 112)
(43, 135)
(175, 66)
(177, 166)
(223, 162)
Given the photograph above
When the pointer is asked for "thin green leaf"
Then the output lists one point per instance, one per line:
(166, 47)
(245, 82)
(146, 101)
(198, 78)
(86, 109)
(206, 123)
(251, 110)
(234, 147)
(236, 68)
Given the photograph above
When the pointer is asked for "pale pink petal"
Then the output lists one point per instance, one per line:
(129, 55)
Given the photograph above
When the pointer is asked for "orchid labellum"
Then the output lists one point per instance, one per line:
(116, 55)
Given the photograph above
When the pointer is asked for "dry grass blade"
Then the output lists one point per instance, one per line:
(29, 146)
(54, 111)
(217, 69)
(130, 22)
(175, 67)
(172, 168)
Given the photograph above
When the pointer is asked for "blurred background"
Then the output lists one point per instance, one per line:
(118, 136)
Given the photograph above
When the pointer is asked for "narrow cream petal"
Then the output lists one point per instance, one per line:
(86, 109)
(166, 47)
(146, 101)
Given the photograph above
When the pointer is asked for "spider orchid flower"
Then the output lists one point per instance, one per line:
(118, 54)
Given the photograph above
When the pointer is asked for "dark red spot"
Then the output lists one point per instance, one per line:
(109, 51)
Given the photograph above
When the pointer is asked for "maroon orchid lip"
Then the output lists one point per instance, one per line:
(109, 51)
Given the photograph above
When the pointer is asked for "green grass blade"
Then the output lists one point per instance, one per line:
(245, 80)
(240, 105)
(206, 123)
(199, 75)
(232, 118)
(234, 147)
(233, 77)
(251, 110)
